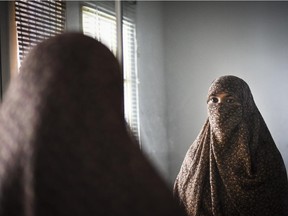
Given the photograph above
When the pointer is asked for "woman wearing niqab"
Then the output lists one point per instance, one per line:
(233, 167)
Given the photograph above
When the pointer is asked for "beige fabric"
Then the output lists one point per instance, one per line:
(64, 146)
(234, 166)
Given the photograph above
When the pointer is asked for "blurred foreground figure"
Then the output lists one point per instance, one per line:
(64, 146)
(233, 167)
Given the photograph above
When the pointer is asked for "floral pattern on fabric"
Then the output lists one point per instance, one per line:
(233, 167)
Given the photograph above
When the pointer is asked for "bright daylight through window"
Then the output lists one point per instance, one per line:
(99, 22)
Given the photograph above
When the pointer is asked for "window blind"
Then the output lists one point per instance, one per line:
(99, 22)
(37, 20)
(130, 67)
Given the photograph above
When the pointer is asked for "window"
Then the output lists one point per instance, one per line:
(101, 25)
(99, 22)
(37, 20)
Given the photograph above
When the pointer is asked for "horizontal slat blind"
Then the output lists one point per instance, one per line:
(37, 20)
(100, 24)
(130, 67)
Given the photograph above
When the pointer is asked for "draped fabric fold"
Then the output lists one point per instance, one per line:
(233, 167)
(64, 144)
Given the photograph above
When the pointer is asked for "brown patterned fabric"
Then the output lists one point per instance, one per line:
(64, 145)
(233, 167)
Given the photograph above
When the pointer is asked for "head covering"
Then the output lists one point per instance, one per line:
(64, 144)
(233, 167)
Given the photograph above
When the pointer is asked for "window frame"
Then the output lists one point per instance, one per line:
(130, 76)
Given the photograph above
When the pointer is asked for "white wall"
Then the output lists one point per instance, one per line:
(73, 16)
(4, 47)
(152, 95)
(204, 40)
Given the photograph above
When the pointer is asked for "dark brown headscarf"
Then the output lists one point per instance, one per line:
(64, 145)
(234, 166)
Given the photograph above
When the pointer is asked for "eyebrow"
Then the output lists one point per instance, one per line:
(230, 95)
(227, 95)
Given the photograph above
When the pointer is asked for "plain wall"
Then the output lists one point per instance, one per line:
(4, 47)
(73, 16)
(204, 40)
(151, 74)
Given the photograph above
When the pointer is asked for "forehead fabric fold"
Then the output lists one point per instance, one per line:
(228, 84)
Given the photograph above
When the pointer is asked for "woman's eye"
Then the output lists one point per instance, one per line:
(214, 100)
(230, 100)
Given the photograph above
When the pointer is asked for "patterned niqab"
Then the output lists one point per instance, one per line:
(233, 167)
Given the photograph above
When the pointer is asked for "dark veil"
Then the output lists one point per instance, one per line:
(65, 148)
